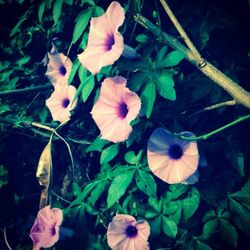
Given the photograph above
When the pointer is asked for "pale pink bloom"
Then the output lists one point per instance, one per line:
(105, 43)
(116, 107)
(60, 102)
(170, 158)
(45, 231)
(59, 67)
(125, 233)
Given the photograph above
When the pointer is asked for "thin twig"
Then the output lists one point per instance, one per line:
(59, 197)
(25, 90)
(181, 31)
(5, 239)
(235, 90)
(214, 106)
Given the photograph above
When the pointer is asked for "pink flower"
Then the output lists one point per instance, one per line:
(59, 67)
(125, 233)
(116, 107)
(45, 231)
(60, 102)
(105, 43)
(170, 158)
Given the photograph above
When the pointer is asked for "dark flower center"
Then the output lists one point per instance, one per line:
(65, 103)
(53, 231)
(123, 110)
(110, 42)
(175, 152)
(131, 231)
(62, 70)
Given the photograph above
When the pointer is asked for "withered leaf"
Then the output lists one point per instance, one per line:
(43, 173)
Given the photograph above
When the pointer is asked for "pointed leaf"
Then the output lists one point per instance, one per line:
(41, 11)
(88, 87)
(109, 153)
(171, 59)
(169, 227)
(81, 23)
(228, 233)
(165, 86)
(57, 9)
(145, 182)
(118, 187)
(148, 98)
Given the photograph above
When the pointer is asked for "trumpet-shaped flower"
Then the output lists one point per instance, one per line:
(61, 102)
(105, 43)
(125, 233)
(59, 67)
(170, 158)
(116, 107)
(45, 231)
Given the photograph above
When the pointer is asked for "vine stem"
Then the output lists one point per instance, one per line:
(240, 95)
(216, 131)
(6, 240)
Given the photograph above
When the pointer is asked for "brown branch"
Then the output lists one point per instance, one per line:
(240, 95)
(25, 90)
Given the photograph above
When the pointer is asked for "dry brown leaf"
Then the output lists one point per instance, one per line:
(43, 173)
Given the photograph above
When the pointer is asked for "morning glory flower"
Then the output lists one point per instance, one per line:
(125, 233)
(61, 102)
(115, 108)
(45, 231)
(105, 43)
(59, 67)
(170, 158)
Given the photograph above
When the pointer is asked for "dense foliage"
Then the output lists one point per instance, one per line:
(94, 179)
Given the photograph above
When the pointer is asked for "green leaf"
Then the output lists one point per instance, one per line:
(202, 246)
(176, 216)
(169, 227)
(137, 80)
(209, 215)
(142, 38)
(41, 9)
(131, 158)
(98, 11)
(190, 204)
(97, 145)
(87, 88)
(76, 189)
(145, 182)
(171, 59)
(209, 228)
(155, 226)
(148, 98)
(81, 86)
(170, 207)
(175, 191)
(74, 68)
(165, 86)
(109, 153)
(82, 21)
(82, 73)
(57, 9)
(118, 187)
(97, 191)
(228, 233)
(23, 60)
(155, 204)
(69, 2)
(160, 55)
(149, 214)
(3, 176)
